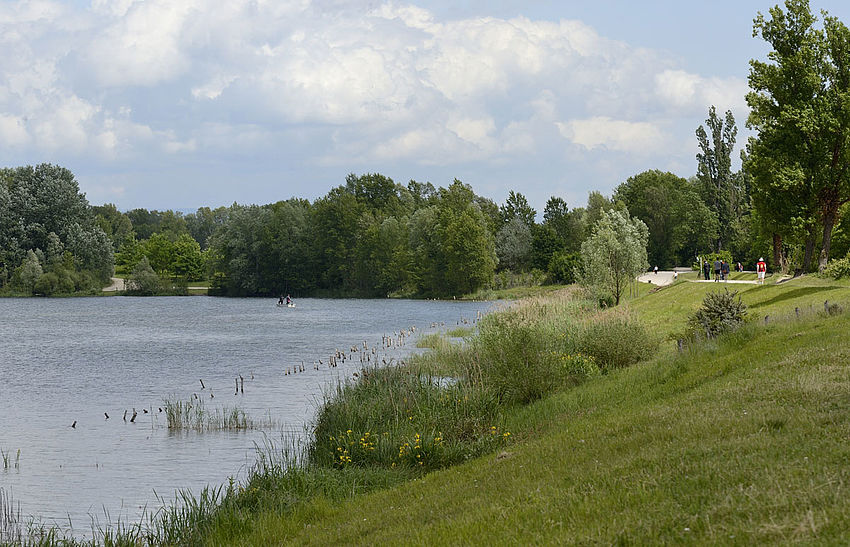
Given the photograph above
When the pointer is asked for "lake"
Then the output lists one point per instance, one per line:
(73, 361)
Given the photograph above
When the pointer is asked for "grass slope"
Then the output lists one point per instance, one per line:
(734, 442)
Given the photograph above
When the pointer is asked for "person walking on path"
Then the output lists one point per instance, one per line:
(655, 270)
(724, 270)
(761, 269)
(706, 270)
(717, 270)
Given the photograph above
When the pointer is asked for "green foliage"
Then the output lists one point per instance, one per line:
(679, 223)
(800, 160)
(402, 416)
(725, 193)
(563, 266)
(517, 359)
(26, 275)
(568, 225)
(720, 312)
(514, 245)
(614, 339)
(615, 253)
(517, 207)
(143, 281)
(711, 257)
(838, 268)
(42, 209)
(510, 280)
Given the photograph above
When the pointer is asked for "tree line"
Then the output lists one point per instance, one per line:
(373, 237)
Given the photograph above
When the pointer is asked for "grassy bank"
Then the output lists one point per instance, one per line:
(734, 441)
(562, 423)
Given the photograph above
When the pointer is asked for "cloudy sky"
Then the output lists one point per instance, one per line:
(186, 103)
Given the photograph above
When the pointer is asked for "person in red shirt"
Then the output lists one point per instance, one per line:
(761, 269)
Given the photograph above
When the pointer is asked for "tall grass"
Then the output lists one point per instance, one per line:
(194, 415)
(404, 417)
(11, 531)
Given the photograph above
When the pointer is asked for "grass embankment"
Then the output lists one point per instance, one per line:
(736, 441)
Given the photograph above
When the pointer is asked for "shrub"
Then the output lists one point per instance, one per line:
(838, 268)
(720, 312)
(514, 357)
(562, 267)
(576, 366)
(144, 281)
(614, 339)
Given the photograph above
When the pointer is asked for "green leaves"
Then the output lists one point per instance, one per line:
(615, 253)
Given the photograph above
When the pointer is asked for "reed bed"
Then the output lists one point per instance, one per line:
(193, 415)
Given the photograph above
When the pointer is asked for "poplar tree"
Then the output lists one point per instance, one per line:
(800, 107)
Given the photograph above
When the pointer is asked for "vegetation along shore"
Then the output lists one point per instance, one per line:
(642, 423)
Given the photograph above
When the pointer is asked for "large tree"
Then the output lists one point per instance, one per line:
(44, 199)
(721, 189)
(800, 107)
(680, 224)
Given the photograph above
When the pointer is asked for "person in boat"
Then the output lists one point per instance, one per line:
(288, 300)
(280, 301)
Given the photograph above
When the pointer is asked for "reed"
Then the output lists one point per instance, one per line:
(8, 463)
(11, 532)
(195, 416)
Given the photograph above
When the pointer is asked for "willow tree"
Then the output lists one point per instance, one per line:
(615, 253)
(800, 108)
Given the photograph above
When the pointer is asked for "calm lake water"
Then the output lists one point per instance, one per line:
(72, 360)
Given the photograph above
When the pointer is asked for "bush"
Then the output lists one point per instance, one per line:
(720, 312)
(144, 281)
(614, 339)
(562, 267)
(838, 268)
(515, 358)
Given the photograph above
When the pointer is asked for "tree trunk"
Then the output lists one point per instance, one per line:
(807, 256)
(828, 223)
(777, 251)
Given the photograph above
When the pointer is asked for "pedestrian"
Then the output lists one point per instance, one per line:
(740, 267)
(761, 269)
(706, 270)
(717, 265)
(724, 270)
(655, 270)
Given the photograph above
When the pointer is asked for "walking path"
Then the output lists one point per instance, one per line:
(663, 278)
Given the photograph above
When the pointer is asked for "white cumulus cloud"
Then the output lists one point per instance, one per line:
(615, 135)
